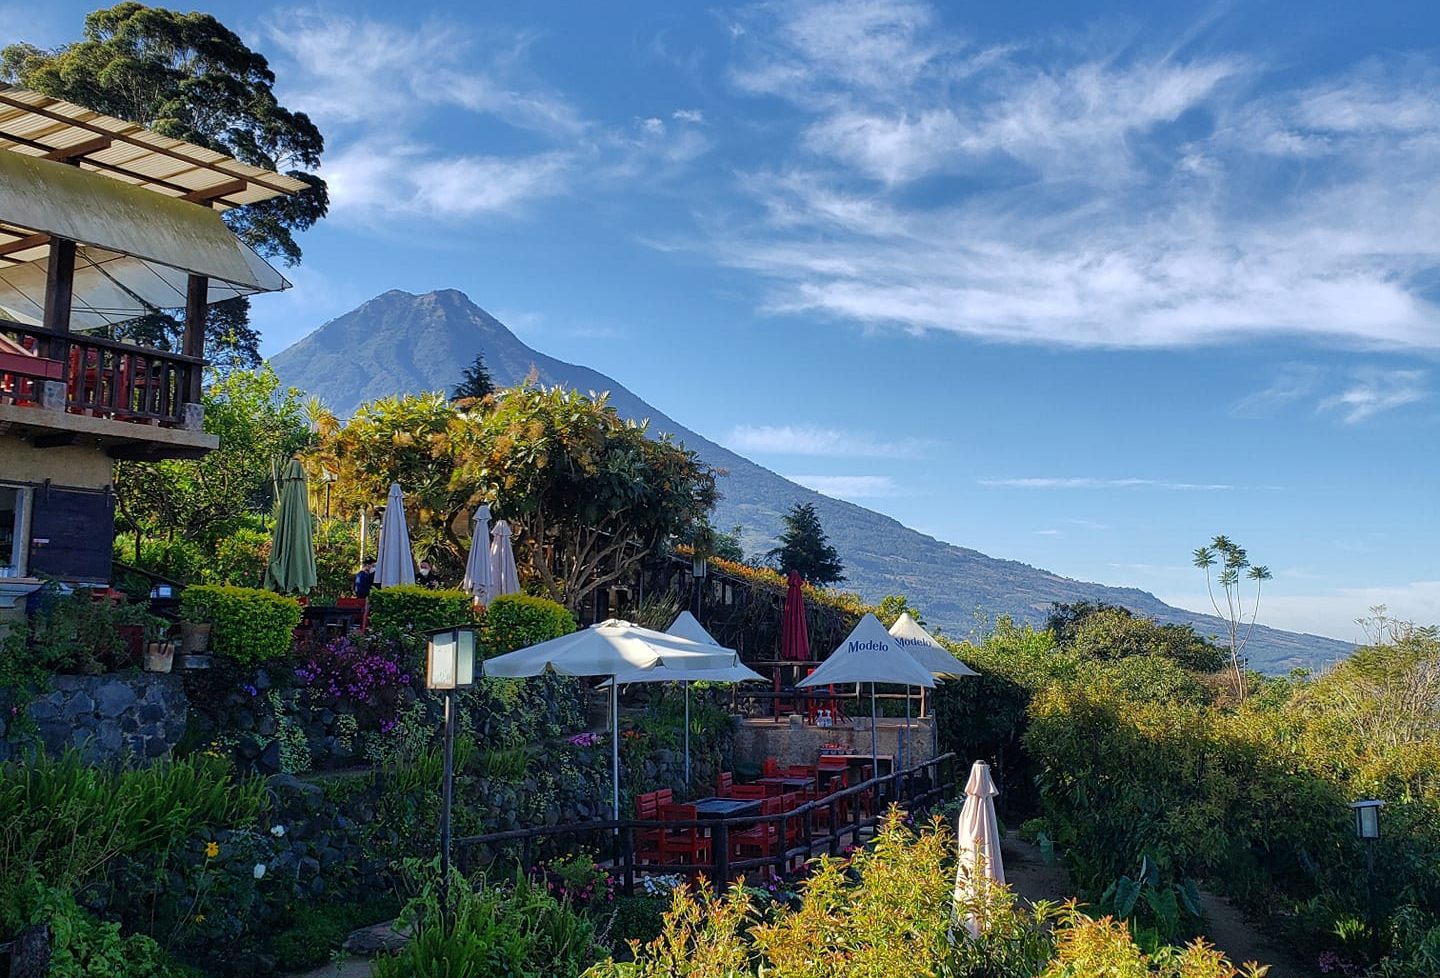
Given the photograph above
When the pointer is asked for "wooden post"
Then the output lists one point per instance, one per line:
(197, 294)
(721, 853)
(59, 296)
(627, 860)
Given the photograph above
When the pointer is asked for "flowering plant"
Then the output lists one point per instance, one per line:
(577, 878)
(584, 740)
(359, 672)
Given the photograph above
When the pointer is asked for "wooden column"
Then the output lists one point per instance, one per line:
(59, 295)
(197, 292)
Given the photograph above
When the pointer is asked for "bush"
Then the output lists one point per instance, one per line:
(249, 625)
(406, 613)
(309, 934)
(514, 621)
(84, 947)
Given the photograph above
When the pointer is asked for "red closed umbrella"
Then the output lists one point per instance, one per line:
(794, 636)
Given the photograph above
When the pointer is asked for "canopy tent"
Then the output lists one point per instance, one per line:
(504, 578)
(396, 563)
(688, 627)
(794, 636)
(611, 648)
(979, 864)
(870, 655)
(479, 575)
(925, 649)
(292, 548)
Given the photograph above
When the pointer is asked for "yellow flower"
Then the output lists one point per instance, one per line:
(199, 918)
(212, 849)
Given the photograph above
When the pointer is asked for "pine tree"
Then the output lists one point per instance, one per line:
(475, 382)
(804, 548)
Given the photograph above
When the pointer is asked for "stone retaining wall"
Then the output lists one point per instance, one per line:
(109, 716)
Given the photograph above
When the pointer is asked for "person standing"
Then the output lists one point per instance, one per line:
(426, 576)
(365, 580)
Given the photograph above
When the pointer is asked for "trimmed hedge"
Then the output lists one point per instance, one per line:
(249, 624)
(514, 621)
(409, 611)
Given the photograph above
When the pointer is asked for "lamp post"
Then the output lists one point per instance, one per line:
(449, 665)
(699, 565)
(1367, 828)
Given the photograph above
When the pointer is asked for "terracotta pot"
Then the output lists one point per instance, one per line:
(159, 656)
(194, 637)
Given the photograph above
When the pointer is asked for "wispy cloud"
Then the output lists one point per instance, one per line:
(851, 486)
(1375, 391)
(1049, 533)
(1085, 482)
(1088, 524)
(1113, 196)
(815, 440)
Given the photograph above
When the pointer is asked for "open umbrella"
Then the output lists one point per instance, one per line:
(292, 549)
(504, 579)
(478, 572)
(610, 648)
(395, 564)
(978, 842)
(870, 655)
(687, 627)
(926, 649)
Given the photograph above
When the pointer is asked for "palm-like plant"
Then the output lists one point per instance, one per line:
(1233, 561)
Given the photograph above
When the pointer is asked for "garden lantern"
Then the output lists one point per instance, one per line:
(1367, 828)
(1367, 818)
(449, 665)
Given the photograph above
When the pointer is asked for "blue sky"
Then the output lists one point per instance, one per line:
(1078, 284)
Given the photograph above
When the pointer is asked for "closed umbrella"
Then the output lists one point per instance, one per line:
(979, 864)
(610, 648)
(292, 549)
(870, 655)
(396, 564)
(478, 572)
(504, 579)
(794, 637)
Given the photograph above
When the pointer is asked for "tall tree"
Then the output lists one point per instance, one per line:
(805, 548)
(188, 76)
(475, 382)
(1233, 561)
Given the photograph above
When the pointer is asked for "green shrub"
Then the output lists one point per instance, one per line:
(637, 918)
(514, 621)
(84, 947)
(405, 613)
(249, 624)
(309, 933)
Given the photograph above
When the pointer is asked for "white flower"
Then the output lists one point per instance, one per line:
(278, 831)
(259, 871)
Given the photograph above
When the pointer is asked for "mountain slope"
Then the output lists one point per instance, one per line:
(402, 343)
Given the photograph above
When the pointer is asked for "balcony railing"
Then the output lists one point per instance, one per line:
(101, 378)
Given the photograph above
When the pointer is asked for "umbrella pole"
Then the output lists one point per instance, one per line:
(874, 741)
(905, 743)
(614, 748)
(686, 684)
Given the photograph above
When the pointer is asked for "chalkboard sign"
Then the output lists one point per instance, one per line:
(72, 533)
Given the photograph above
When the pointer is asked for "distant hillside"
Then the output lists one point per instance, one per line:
(402, 343)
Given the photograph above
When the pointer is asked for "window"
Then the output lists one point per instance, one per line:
(13, 515)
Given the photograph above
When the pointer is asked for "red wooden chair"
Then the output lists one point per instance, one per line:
(687, 844)
(769, 768)
(750, 792)
(761, 840)
(647, 841)
(724, 782)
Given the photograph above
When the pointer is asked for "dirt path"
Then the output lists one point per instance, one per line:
(346, 968)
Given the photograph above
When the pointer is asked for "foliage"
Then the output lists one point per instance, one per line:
(310, 933)
(1101, 631)
(1232, 560)
(515, 621)
(73, 633)
(260, 424)
(187, 76)
(577, 879)
(475, 382)
(892, 606)
(359, 671)
(250, 625)
(83, 947)
(1158, 913)
(515, 929)
(804, 548)
(62, 822)
(406, 613)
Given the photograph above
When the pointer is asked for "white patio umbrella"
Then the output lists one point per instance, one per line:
(479, 574)
(503, 577)
(687, 627)
(978, 842)
(870, 655)
(926, 649)
(396, 563)
(611, 648)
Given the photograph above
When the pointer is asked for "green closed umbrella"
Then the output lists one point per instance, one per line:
(292, 551)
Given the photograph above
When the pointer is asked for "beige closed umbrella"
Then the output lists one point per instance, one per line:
(978, 866)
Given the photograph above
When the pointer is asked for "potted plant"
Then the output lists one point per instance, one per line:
(159, 647)
(195, 625)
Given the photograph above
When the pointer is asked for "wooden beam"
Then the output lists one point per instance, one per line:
(207, 194)
(59, 293)
(68, 154)
(24, 244)
(197, 301)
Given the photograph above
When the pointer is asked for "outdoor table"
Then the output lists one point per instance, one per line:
(787, 783)
(725, 807)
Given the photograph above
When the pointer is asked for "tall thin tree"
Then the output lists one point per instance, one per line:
(1232, 560)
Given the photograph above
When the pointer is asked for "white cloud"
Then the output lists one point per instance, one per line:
(850, 486)
(1332, 611)
(1048, 533)
(693, 116)
(1375, 391)
(814, 440)
(1085, 482)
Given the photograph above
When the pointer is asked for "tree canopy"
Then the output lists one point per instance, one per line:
(188, 76)
(1108, 632)
(475, 382)
(804, 548)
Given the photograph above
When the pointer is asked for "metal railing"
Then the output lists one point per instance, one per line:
(916, 788)
(102, 378)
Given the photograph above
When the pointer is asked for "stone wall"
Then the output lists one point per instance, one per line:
(800, 743)
(107, 717)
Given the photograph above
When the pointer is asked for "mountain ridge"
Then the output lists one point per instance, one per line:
(401, 343)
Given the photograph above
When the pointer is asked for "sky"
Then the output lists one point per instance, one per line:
(1077, 284)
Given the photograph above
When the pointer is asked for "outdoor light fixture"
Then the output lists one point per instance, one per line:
(698, 566)
(449, 665)
(1367, 818)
